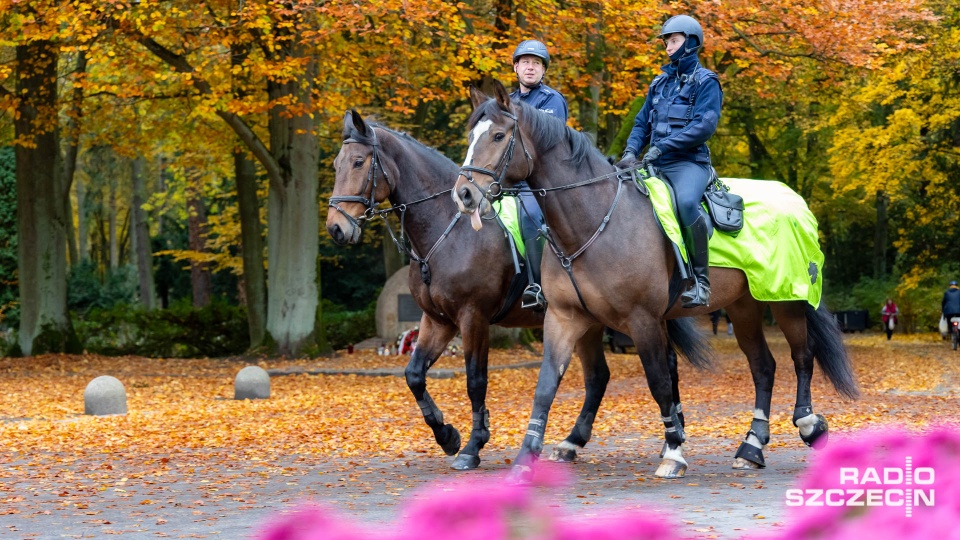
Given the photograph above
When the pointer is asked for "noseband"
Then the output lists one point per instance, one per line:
(495, 191)
(371, 203)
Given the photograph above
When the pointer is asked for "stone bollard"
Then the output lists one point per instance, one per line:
(253, 382)
(105, 395)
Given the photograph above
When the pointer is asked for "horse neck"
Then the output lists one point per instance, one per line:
(573, 214)
(420, 174)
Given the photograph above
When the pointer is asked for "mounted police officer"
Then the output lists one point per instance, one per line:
(530, 62)
(677, 119)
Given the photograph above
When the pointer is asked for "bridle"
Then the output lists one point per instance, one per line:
(369, 203)
(499, 172)
(403, 245)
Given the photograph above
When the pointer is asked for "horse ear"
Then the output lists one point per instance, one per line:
(348, 127)
(477, 96)
(358, 123)
(503, 97)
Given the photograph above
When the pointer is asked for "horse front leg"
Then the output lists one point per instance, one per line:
(596, 375)
(431, 343)
(476, 347)
(560, 334)
(747, 318)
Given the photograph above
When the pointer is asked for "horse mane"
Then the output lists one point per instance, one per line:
(549, 130)
(355, 134)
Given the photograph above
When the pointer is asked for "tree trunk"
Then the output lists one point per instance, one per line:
(70, 157)
(293, 312)
(200, 282)
(42, 266)
(880, 240)
(590, 98)
(142, 252)
(251, 247)
(112, 223)
(83, 243)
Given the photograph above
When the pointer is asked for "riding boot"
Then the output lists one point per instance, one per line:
(532, 297)
(695, 236)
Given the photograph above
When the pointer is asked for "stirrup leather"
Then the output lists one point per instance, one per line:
(532, 298)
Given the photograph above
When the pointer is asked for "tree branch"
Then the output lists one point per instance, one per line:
(180, 64)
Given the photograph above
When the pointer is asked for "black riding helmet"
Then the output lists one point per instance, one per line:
(534, 48)
(690, 28)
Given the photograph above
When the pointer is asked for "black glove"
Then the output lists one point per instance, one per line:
(628, 161)
(652, 154)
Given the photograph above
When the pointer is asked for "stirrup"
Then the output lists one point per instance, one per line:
(532, 298)
(697, 295)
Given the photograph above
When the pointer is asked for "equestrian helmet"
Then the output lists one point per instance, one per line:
(683, 24)
(953, 283)
(534, 48)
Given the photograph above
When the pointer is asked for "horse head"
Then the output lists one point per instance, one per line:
(496, 158)
(362, 181)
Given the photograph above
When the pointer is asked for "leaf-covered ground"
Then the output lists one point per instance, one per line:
(184, 426)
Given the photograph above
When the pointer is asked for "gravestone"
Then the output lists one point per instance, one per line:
(253, 382)
(397, 311)
(105, 395)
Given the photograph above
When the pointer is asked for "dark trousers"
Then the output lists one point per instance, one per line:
(689, 180)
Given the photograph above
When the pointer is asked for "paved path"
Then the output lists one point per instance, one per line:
(216, 502)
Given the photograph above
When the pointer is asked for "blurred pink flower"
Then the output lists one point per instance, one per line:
(881, 461)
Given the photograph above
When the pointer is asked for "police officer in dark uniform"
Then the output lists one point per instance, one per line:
(680, 114)
(530, 61)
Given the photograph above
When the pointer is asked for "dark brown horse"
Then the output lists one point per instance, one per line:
(462, 280)
(614, 267)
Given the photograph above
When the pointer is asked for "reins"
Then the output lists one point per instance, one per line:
(565, 261)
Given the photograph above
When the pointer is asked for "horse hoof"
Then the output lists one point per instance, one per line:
(564, 453)
(451, 440)
(465, 462)
(671, 469)
(520, 475)
(740, 464)
(817, 439)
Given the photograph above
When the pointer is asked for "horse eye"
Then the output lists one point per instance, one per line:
(358, 163)
(498, 137)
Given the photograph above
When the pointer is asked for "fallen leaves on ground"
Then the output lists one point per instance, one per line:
(182, 416)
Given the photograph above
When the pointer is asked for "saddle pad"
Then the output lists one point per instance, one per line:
(508, 210)
(778, 249)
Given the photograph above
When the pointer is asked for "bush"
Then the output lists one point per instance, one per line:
(348, 327)
(179, 332)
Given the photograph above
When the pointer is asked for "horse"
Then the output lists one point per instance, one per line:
(463, 281)
(615, 267)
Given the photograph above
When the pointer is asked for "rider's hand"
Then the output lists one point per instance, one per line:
(627, 161)
(652, 154)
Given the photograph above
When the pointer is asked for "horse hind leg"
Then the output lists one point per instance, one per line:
(792, 319)
(747, 317)
(650, 337)
(596, 375)
(432, 341)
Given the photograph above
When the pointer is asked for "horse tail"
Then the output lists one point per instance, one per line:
(825, 342)
(689, 342)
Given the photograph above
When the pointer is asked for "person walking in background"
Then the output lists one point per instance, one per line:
(889, 313)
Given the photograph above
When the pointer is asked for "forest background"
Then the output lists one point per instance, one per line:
(166, 165)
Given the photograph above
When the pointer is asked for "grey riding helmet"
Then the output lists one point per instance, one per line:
(534, 48)
(686, 25)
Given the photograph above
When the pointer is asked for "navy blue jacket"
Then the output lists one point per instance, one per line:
(544, 99)
(680, 114)
(951, 302)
